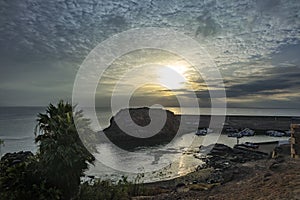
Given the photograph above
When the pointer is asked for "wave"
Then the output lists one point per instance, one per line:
(16, 138)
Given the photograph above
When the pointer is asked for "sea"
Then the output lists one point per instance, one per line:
(17, 126)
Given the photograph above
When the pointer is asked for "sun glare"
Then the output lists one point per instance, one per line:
(172, 76)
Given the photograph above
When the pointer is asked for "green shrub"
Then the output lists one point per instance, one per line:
(106, 190)
(21, 179)
(103, 190)
(62, 155)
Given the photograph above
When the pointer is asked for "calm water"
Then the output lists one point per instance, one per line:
(173, 161)
(17, 130)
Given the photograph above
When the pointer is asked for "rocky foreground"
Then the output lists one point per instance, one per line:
(236, 174)
(228, 173)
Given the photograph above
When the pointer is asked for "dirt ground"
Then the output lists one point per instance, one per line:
(263, 179)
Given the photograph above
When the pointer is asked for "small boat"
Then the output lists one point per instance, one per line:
(247, 132)
(203, 131)
(275, 133)
(234, 134)
(250, 145)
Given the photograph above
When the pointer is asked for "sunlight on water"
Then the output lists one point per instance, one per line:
(17, 125)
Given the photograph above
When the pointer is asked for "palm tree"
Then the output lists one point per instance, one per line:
(62, 154)
(1, 144)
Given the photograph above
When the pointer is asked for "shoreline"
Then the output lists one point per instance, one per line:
(258, 123)
(240, 180)
(192, 154)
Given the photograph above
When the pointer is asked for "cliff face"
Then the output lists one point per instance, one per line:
(140, 117)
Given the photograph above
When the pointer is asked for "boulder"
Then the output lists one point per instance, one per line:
(224, 160)
(140, 117)
(10, 159)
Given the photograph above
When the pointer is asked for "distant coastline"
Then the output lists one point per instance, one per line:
(19, 122)
(258, 123)
(230, 111)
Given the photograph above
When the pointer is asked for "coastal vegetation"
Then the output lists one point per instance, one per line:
(1, 144)
(61, 154)
(21, 177)
(55, 171)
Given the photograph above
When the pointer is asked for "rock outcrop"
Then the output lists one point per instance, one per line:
(140, 117)
(10, 159)
(224, 160)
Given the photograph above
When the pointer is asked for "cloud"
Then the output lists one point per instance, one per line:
(281, 85)
(42, 43)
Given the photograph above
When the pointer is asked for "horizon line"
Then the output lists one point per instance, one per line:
(40, 106)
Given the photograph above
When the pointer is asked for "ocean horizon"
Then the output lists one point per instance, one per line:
(17, 126)
(17, 123)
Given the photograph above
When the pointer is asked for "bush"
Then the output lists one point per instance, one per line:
(62, 155)
(122, 190)
(21, 179)
(104, 190)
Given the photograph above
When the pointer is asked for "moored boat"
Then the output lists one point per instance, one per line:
(250, 145)
(203, 131)
(247, 132)
(274, 133)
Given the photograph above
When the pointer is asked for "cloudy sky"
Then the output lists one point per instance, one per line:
(255, 45)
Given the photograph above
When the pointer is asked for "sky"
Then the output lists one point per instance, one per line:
(254, 44)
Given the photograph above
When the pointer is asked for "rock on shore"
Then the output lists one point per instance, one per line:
(252, 175)
(140, 117)
(224, 160)
(10, 159)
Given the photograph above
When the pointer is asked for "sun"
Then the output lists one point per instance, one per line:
(172, 76)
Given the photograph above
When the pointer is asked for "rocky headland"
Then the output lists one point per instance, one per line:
(141, 117)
